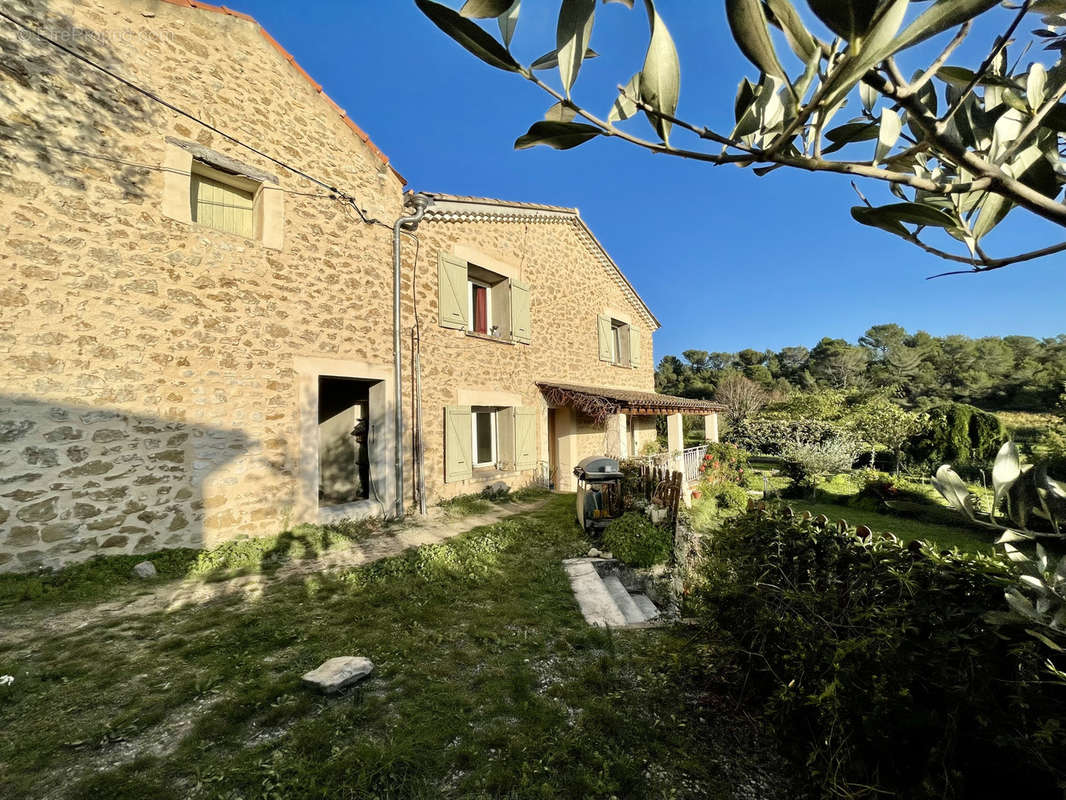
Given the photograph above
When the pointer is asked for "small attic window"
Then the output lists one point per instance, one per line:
(222, 200)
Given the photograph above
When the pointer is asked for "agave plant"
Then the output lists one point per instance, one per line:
(1039, 597)
(1028, 491)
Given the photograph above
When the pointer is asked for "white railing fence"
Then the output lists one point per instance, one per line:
(691, 458)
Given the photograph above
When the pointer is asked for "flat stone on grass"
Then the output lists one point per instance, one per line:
(338, 673)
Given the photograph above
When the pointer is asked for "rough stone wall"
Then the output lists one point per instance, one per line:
(148, 396)
(146, 366)
(568, 289)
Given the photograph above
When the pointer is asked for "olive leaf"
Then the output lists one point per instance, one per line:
(560, 112)
(857, 130)
(557, 135)
(890, 217)
(875, 47)
(784, 16)
(846, 19)
(550, 60)
(660, 77)
(747, 21)
(469, 35)
(484, 9)
(572, 37)
(887, 134)
(868, 96)
(508, 21)
(625, 105)
(941, 16)
(1035, 84)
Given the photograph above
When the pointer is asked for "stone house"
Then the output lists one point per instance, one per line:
(192, 329)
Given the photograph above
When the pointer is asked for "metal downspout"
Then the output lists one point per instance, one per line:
(419, 202)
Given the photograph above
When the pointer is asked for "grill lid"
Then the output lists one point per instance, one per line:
(597, 469)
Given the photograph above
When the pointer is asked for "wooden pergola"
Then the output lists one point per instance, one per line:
(599, 403)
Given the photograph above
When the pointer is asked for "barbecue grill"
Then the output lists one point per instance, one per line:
(599, 492)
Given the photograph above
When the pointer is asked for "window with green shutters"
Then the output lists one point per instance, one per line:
(488, 438)
(476, 300)
(619, 342)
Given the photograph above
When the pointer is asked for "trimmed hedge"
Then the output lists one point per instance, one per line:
(878, 664)
(957, 434)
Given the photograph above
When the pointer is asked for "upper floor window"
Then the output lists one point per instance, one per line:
(224, 202)
(481, 307)
(619, 342)
(209, 188)
(482, 302)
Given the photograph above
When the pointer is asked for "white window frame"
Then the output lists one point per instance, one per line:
(470, 283)
(493, 423)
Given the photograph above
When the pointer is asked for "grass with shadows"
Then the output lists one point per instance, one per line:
(488, 684)
(110, 576)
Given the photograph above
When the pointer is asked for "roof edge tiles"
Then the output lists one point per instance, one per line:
(359, 132)
(624, 399)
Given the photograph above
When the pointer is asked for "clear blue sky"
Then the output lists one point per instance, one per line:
(725, 259)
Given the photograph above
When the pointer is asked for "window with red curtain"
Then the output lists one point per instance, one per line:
(480, 303)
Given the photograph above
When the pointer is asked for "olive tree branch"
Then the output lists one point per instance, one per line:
(989, 264)
(999, 182)
(925, 77)
(1001, 43)
(751, 155)
(1034, 123)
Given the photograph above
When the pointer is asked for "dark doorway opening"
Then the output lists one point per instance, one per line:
(345, 437)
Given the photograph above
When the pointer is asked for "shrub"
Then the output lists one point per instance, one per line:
(1052, 446)
(729, 496)
(956, 433)
(724, 462)
(879, 663)
(771, 436)
(636, 541)
(805, 462)
(827, 405)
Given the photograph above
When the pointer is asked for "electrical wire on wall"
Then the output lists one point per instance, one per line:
(333, 190)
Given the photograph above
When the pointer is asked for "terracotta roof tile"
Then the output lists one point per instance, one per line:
(289, 57)
(632, 398)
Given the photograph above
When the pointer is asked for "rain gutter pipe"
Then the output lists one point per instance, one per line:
(418, 203)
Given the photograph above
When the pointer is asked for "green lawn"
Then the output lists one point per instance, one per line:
(488, 684)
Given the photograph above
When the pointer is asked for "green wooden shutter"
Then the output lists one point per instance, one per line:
(521, 323)
(501, 308)
(525, 427)
(223, 207)
(603, 324)
(457, 443)
(634, 346)
(452, 291)
(506, 437)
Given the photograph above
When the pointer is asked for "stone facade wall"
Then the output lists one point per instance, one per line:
(146, 365)
(151, 393)
(569, 288)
